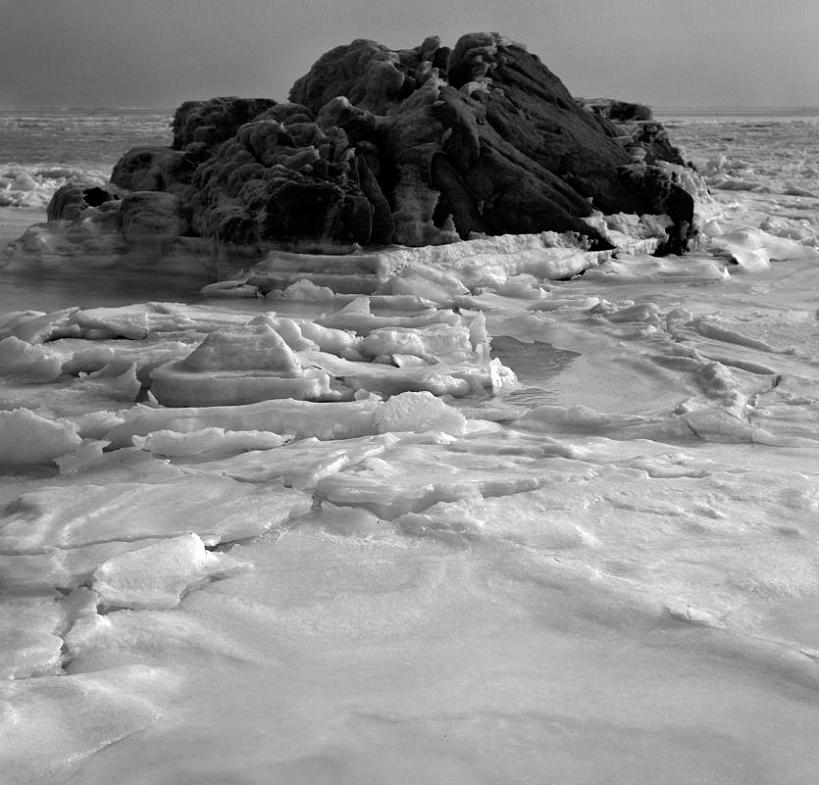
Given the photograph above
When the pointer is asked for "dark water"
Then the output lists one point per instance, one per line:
(93, 290)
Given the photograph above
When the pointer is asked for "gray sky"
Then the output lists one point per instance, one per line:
(157, 53)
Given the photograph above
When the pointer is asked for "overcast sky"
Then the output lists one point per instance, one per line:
(157, 53)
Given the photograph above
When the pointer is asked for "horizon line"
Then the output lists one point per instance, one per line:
(654, 107)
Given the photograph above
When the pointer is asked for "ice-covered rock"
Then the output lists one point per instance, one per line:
(150, 218)
(421, 146)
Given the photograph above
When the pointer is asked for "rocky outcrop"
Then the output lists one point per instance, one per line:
(71, 200)
(155, 169)
(199, 125)
(151, 218)
(417, 147)
(635, 127)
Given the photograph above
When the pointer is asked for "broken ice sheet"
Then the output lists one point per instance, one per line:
(206, 442)
(217, 508)
(29, 438)
(58, 568)
(300, 464)
(157, 575)
(409, 478)
(418, 412)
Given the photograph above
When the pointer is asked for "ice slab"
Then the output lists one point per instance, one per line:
(754, 249)
(207, 442)
(28, 438)
(346, 419)
(413, 477)
(58, 568)
(157, 575)
(23, 360)
(217, 508)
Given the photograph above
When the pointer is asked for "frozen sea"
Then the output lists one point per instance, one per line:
(605, 574)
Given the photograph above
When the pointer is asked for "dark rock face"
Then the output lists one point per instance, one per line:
(208, 123)
(150, 217)
(653, 138)
(620, 111)
(154, 169)
(635, 126)
(418, 146)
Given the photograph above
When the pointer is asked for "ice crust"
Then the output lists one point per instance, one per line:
(607, 569)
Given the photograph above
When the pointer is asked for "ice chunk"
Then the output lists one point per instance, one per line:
(230, 289)
(58, 568)
(300, 334)
(489, 259)
(303, 463)
(29, 438)
(157, 575)
(88, 454)
(342, 420)
(354, 521)
(207, 441)
(435, 342)
(175, 386)
(35, 327)
(239, 368)
(425, 281)
(419, 412)
(26, 361)
(329, 339)
(642, 269)
(115, 381)
(261, 348)
(287, 417)
(754, 249)
(290, 331)
(87, 357)
(411, 478)
(440, 379)
(95, 424)
(356, 316)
